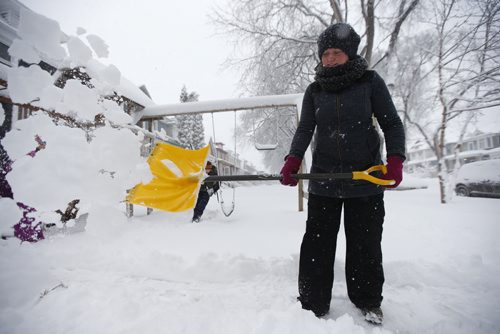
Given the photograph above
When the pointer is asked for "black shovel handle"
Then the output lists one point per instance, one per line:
(272, 177)
(363, 175)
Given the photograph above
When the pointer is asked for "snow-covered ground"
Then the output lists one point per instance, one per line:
(162, 274)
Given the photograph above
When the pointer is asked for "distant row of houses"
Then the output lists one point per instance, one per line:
(478, 146)
(133, 99)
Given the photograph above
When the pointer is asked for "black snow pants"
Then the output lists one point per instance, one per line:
(363, 219)
(201, 203)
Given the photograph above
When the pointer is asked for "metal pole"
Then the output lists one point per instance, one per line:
(302, 166)
(301, 190)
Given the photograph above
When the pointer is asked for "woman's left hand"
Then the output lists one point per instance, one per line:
(394, 170)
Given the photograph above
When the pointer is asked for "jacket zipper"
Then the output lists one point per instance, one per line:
(337, 99)
(338, 130)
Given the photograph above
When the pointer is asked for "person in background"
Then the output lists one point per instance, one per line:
(207, 189)
(338, 108)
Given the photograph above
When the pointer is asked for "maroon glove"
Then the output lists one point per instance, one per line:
(291, 166)
(394, 170)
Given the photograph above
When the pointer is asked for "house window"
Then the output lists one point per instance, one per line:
(23, 112)
(4, 54)
(227, 170)
(147, 124)
(489, 142)
(4, 14)
(482, 144)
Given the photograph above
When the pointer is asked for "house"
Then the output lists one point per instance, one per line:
(9, 21)
(133, 99)
(229, 162)
(477, 146)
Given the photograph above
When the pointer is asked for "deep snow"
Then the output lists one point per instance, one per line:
(163, 274)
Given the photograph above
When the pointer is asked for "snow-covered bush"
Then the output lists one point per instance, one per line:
(88, 154)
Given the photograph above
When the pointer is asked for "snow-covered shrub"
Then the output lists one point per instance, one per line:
(88, 154)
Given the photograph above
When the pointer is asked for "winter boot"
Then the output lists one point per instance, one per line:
(373, 315)
(196, 219)
(317, 312)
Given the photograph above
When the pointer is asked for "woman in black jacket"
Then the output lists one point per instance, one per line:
(338, 109)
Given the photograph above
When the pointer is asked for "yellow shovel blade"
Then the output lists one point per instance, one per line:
(177, 175)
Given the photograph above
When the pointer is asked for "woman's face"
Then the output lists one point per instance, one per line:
(333, 57)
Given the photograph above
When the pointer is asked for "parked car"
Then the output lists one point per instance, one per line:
(480, 178)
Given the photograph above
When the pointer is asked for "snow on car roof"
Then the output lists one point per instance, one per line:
(480, 171)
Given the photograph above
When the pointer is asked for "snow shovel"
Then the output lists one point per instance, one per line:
(362, 175)
(178, 174)
(176, 179)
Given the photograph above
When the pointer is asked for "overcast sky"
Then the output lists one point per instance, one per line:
(168, 44)
(162, 44)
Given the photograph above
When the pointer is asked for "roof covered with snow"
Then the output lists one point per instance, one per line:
(122, 86)
(33, 38)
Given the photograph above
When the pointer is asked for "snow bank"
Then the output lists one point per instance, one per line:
(79, 53)
(70, 167)
(96, 165)
(28, 84)
(238, 274)
(43, 34)
(10, 213)
(98, 45)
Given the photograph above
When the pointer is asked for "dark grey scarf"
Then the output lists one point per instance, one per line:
(334, 79)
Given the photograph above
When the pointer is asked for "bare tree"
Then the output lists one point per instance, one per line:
(282, 34)
(368, 12)
(404, 10)
(408, 85)
(459, 75)
(266, 129)
(276, 40)
(488, 12)
(462, 73)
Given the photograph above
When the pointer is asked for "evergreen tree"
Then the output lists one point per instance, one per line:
(191, 133)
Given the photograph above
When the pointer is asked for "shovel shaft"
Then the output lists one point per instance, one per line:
(363, 175)
(273, 177)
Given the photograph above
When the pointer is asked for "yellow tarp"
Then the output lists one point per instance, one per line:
(177, 175)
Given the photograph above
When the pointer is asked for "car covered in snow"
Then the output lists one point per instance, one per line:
(480, 178)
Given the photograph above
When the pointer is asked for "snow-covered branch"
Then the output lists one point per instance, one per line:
(476, 107)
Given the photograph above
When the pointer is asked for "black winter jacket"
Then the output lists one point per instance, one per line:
(345, 138)
(212, 184)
